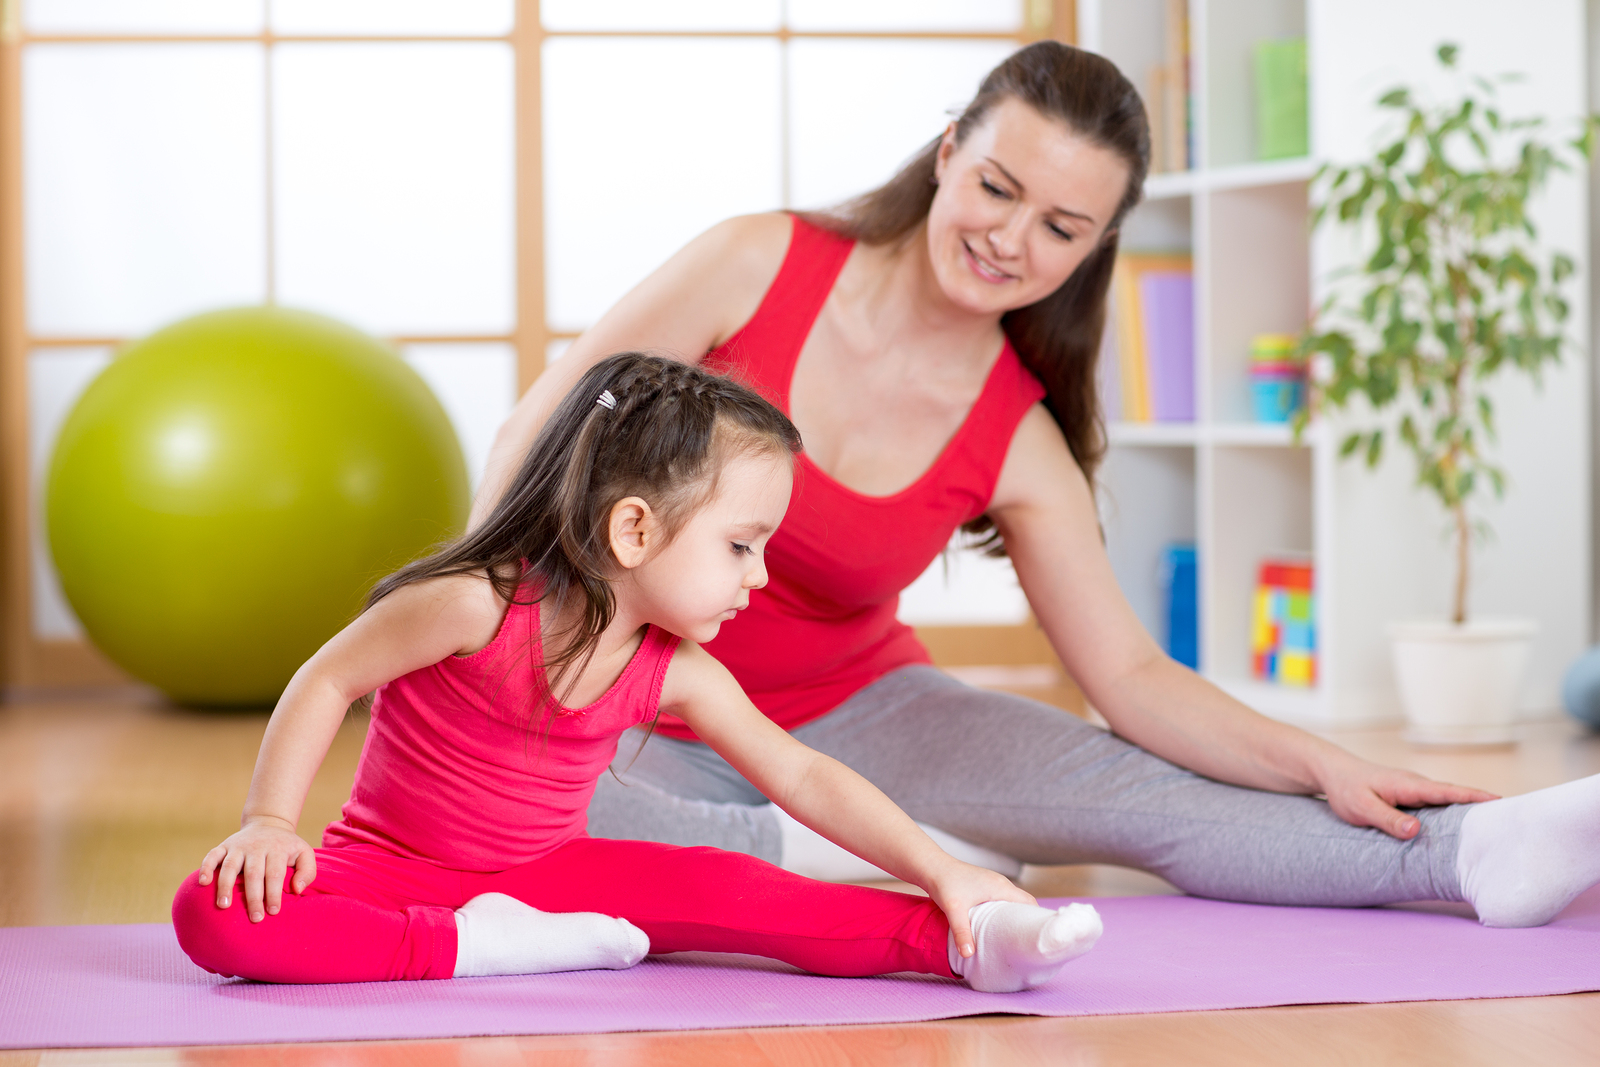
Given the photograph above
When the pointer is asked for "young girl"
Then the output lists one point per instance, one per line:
(506, 666)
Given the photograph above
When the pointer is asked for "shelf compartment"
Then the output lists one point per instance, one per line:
(1226, 35)
(1260, 507)
(1147, 498)
(1257, 281)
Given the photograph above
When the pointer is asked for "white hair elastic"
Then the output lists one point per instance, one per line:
(606, 400)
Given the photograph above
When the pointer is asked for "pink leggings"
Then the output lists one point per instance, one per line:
(373, 916)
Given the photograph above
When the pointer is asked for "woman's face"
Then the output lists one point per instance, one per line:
(1020, 204)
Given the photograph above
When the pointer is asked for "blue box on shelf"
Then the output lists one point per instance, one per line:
(1180, 584)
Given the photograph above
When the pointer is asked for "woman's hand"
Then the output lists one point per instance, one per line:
(960, 887)
(1368, 794)
(261, 853)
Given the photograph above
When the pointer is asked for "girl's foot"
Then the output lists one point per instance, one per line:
(1019, 946)
(1522, 859)
(497, 934)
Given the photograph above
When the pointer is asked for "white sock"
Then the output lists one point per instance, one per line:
(497, 934)
(808, 853)
(1522, 859)
(1019, 946)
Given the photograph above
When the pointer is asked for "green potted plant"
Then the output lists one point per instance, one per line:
(1454, 291)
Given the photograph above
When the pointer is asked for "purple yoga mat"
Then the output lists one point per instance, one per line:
(85, 986)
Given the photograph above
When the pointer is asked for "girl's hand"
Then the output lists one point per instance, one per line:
(960, 888)
(261, 852)
(1367, 794)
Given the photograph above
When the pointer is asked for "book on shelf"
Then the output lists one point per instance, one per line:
(1168, 98)
(1151, 338)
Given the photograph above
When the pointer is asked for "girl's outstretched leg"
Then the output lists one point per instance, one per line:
(1524, 858)
(705, 899)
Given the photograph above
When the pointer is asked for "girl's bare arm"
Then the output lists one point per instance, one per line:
(1044, 510)
(411, 628)
(688, 306)
(823, 793)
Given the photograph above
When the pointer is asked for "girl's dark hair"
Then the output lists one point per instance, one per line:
(634, 425)
(1058, 338)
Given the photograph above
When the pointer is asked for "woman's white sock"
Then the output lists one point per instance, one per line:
(808, 853)
(1019, 946)
(497, 934)
(1522, 859)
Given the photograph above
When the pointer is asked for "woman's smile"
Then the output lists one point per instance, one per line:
(984, 269)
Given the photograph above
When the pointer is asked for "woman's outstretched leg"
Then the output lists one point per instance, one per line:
(1034, 782)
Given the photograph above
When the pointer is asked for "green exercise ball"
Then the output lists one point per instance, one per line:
(224, 494)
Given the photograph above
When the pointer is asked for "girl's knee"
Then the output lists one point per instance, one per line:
(201, 926)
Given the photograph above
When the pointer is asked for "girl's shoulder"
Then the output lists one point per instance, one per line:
(693, 675)
(466, 606)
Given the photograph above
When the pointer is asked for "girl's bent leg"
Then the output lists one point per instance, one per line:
(705, 899)
(324, 935)
(1037, 783)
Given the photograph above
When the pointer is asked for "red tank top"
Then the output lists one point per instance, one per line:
(825, 625)
(454, 773)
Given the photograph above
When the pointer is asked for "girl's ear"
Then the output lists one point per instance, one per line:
(632, 531)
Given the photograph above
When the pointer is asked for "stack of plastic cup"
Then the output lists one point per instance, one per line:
(1277, 378)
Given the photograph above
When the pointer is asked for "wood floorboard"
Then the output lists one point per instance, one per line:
(106, 804)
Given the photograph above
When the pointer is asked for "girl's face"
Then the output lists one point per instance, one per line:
(1020, 204)
(702, 578)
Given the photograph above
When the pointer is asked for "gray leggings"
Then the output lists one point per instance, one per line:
(1031, 781)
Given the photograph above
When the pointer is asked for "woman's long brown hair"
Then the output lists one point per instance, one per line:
(1058, 338)
(634, 425)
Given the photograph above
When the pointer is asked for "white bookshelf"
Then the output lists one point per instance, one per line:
(1242, 490)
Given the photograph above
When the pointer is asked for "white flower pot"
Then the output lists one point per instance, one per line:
(1459, 684)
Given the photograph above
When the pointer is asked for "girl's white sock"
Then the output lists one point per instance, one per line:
(497, 934)
(1522, 859)
(1019, 946)
(808, 853)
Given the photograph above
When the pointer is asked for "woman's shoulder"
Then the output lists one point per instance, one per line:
(746, 250)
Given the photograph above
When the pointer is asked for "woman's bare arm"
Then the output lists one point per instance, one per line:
(687, 307)
(1044, 510)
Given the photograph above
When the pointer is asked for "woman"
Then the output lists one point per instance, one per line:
(935, 341)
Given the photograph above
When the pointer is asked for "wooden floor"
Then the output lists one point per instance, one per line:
(107, 802)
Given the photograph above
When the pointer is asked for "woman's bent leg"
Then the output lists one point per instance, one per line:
(682, 793)
(1034, 782)
(705, 899)
(361, 920)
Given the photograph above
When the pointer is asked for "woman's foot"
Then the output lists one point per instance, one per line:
(1019, 946)
(497, 934)
(1522, 859)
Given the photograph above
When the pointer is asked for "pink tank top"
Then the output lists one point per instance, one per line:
(455, 773)
(825, 625)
